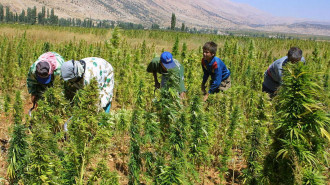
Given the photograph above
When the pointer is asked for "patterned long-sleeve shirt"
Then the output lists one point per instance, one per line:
(102, 71)
(55, 60)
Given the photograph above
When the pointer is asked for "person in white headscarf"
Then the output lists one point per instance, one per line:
(80, 73)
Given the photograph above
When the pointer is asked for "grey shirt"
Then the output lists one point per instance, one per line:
(273, 75)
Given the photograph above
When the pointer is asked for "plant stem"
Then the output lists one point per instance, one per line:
(82, 166)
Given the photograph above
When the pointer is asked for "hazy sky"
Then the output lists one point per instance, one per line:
(312, 9)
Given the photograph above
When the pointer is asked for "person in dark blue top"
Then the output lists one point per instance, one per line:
(214, 67)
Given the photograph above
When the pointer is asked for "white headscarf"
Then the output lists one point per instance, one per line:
(71, 69)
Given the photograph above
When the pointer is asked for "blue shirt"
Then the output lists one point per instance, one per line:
(218, 71)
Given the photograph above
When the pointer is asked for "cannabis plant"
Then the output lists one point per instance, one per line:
(303, 125)
(135, 141)
(17, 159)
(86, 137)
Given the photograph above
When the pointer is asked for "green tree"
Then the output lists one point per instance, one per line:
(42, 16)
(8, 14)
(155, 26)
(53, 19)
(28, 15)
(22, 17)
(173, 21)
(34, 15)
(2, 16)
(183, 27)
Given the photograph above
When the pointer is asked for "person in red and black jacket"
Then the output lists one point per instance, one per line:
(214, 67)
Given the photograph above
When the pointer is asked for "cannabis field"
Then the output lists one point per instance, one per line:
(239, 136)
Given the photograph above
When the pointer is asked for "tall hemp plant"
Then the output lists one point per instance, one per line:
(44, 165)
(256, 141)
(225, 156)
(199, 144)
(115, 39)
(135, 162)
(302, 130)
(56, 108)
(175, 49)
(170, 144)
(18, 144)
(87, 136)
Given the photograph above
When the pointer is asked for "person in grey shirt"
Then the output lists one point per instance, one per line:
(273, 75)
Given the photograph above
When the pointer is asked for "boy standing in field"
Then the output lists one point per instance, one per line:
(273, 75)
(212, 65)
(42, 74)
(167, 66)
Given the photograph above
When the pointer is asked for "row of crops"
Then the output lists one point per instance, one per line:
(153, 137)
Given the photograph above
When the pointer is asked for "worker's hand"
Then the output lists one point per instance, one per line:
(34, 99)
(157, 85)
(203, 87)
(205, 97)
(183, 95)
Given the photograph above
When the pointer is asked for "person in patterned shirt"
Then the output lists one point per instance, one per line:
(42, 74)
(80, 73)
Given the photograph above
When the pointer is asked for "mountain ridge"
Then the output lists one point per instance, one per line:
(210, 14)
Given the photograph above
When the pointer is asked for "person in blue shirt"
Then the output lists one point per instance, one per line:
(214, 67)
(273, 75)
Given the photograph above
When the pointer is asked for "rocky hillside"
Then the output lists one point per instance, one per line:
(211, 14)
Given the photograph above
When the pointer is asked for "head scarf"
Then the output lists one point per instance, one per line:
(51, 59)
(71, 69)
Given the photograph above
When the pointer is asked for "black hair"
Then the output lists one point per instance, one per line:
(294, 54)
(211, 47)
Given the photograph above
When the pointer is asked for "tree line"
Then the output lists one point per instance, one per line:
(47, 17)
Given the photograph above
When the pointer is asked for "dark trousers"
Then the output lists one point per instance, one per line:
(267, 90)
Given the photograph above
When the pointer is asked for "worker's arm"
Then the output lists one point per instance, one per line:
(106, 92)
(157, 84)
(32, 84)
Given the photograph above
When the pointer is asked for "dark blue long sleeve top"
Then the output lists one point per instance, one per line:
(218, 71)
